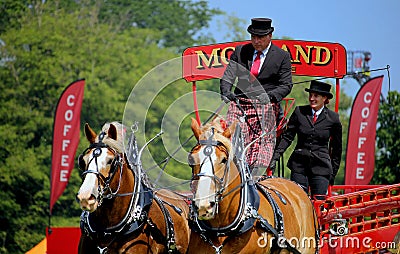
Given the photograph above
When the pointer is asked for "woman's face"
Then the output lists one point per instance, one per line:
(316, 100)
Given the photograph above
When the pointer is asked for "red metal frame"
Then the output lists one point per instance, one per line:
(372, 214)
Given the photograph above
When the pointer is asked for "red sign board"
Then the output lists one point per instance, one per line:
(309, 58)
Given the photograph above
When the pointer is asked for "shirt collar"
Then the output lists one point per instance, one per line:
(318, 111)
(265, 51)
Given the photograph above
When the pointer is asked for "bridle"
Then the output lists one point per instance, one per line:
(248, 199)
(116, 164)
(220, 182)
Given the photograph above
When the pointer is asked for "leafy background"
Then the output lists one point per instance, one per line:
(46, 45)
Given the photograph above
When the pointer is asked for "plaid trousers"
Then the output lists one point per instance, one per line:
(259, 118)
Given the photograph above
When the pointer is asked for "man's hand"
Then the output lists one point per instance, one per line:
(272, 166)
(227, 97)
(263, 98)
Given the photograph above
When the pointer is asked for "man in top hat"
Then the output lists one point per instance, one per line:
(315, 160)
(264, 77)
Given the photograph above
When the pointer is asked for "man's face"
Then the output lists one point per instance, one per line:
(260, 42)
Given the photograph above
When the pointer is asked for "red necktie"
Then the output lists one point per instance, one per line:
(315, 117)
(256, 64)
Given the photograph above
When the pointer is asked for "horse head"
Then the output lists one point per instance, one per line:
(210, 160)
(101, 164)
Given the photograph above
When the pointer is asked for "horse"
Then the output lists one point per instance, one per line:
(122, 212)
(233, 212)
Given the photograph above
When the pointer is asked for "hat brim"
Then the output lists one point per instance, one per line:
(251, 30)
(327, 94)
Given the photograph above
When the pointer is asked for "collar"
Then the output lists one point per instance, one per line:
(318, 111)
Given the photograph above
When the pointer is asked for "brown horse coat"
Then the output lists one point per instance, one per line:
(299, 219)
(152, 236)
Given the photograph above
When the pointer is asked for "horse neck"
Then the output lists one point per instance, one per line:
(230, 203)
(112, 211)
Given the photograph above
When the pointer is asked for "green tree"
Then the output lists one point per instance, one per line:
(40, 56)
(387, 163)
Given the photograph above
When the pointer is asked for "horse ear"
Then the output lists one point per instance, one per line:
(195, 128)
(230, 130)
(90, 134)
(112, 132)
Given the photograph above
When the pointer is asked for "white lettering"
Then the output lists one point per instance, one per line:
(360, 156)
(69, 114)
(361, 141)
(65, 144)
(64, 160)
(70, 100)
(365, 112)
(369, 95)
(363, 125)
(63, 175)
(359, 173)
(66, 129)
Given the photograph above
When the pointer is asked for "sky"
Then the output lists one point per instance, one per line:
(359, 25)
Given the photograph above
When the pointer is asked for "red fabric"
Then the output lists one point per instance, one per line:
(65, 138)
(360, 155)
(63, 240)
(260, 153)
(256, 64)
(314, 118)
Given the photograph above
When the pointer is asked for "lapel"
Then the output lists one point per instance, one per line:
(268, 57)
(310, 116)
(321, 116)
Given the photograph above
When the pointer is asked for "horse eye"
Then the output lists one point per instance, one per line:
(224, 160)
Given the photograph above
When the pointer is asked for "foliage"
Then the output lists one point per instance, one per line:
(178, 22)
(45, 46)
(387, 164)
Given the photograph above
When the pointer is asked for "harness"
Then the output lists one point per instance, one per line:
(247, 215)
(141, 200)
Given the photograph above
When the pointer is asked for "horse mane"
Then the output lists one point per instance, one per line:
(118, 144)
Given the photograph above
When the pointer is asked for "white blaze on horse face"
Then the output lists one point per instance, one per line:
(88, 191)
(205, 193)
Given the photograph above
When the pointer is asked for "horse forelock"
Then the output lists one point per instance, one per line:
(117, 144)
(207, 132)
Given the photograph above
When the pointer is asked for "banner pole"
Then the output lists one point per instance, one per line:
(196, 108)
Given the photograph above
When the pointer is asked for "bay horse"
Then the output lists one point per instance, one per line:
(122, 213)
(233, 213)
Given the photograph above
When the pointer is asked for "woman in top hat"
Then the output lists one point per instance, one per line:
(315, 160)
(264, 76)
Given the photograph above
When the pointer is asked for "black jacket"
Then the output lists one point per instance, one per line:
(275, 75)
(319, 146)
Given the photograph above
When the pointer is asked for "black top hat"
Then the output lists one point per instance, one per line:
(320, 88)
(260, 26)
